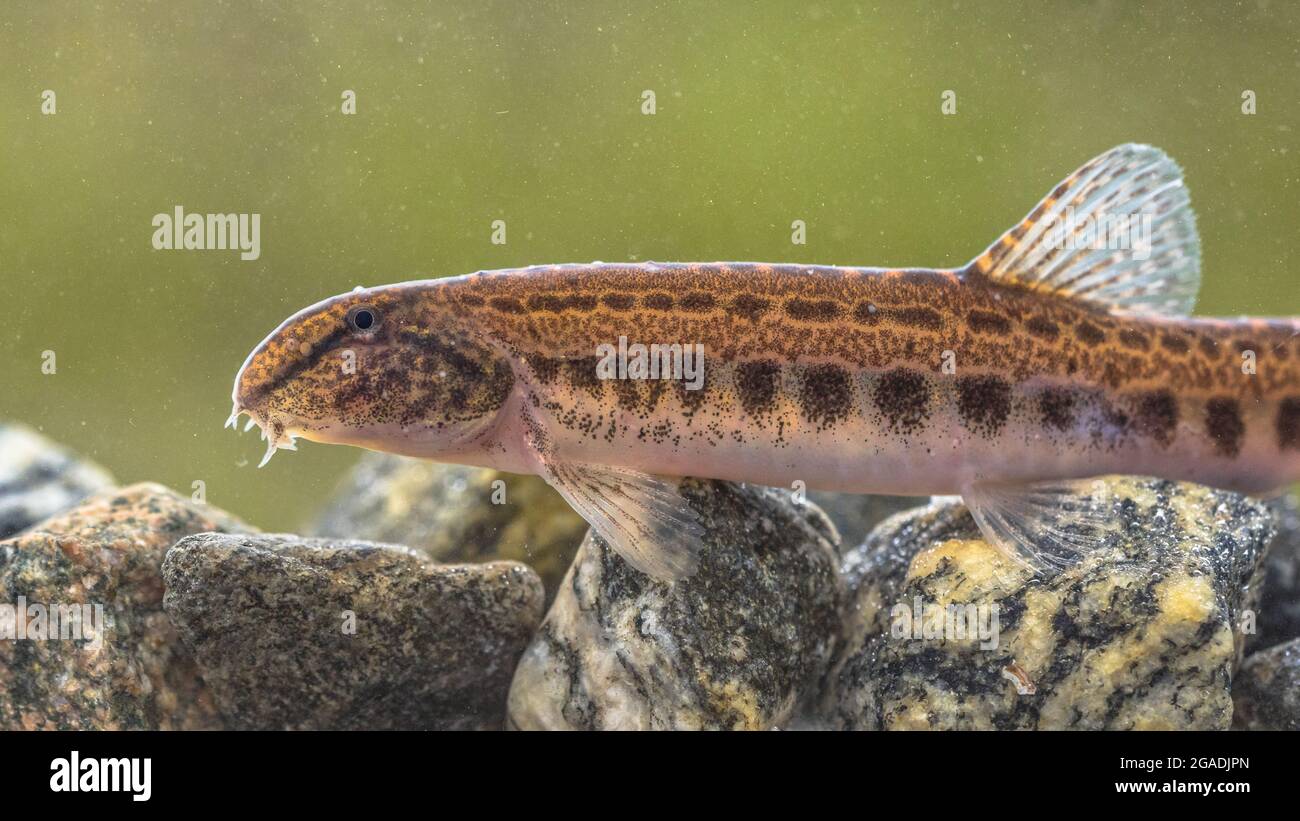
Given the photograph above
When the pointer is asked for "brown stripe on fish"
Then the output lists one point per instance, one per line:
(697, 302)
(618, 302)
(1042, 327)
(820, 310)
(658, 301)
(868, 320)
(987, 322)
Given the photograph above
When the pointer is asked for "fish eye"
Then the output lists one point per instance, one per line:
(363, 318)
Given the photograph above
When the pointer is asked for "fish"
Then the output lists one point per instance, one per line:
(1062, 353)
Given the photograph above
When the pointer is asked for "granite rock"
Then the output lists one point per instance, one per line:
(39, 479)
(1143, 633)
(131, 671)
(1278, 616)
(294, 633)
(738, 645)
(1266, 691)
(855, 516)
(455, 514)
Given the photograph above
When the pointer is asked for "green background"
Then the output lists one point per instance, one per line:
(531, 113)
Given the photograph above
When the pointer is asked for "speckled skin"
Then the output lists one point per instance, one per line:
(832, 376)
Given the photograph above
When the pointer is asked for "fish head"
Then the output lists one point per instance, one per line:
(377, 368)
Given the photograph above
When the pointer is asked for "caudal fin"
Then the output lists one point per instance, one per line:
(1119, 233)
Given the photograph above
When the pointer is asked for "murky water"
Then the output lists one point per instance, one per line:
(475, 112)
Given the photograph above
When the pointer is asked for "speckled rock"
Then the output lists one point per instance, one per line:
(318, 634)
(1278, 615)
(455, 514)
(107, 551)
(738, 645)
(855, 516)
(1141, 634)
(39, 479)
(1266, 692)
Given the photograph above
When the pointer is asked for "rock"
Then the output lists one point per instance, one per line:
(135, 674)
(1141, 634)
(1266, 692)
(855, 516)
(456, 514)
(1278, 616)
(39, 479)
(739, 644)
(319, 634)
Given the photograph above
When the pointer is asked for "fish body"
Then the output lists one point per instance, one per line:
(1036, 364)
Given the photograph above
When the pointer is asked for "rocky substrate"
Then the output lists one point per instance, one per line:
(437, 597)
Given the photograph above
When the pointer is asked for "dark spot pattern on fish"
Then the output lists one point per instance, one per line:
(693, 400)
(813, 310)
(1134, 340)
(1224, 426)
(756, 384)
(1288, 423)
(618, 302)
(826, 394)
(696, 302)
(555, 303)
(916, 317)
(658, 302)
(1089, 334)
(582, 375)
(984, 403)
(866, 313)
(1042, 328)
(987, 322)
(1057, 407)
(1174, 344)
(546, 368)
(748, 306)
(1157, 415)
(903, 397)
(507, 305)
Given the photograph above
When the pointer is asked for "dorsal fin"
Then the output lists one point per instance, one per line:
(1118, 233)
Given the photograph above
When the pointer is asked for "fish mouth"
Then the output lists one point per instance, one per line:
(277, 434)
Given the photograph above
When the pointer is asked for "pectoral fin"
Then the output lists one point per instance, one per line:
(1045, 525)
(644, 518)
